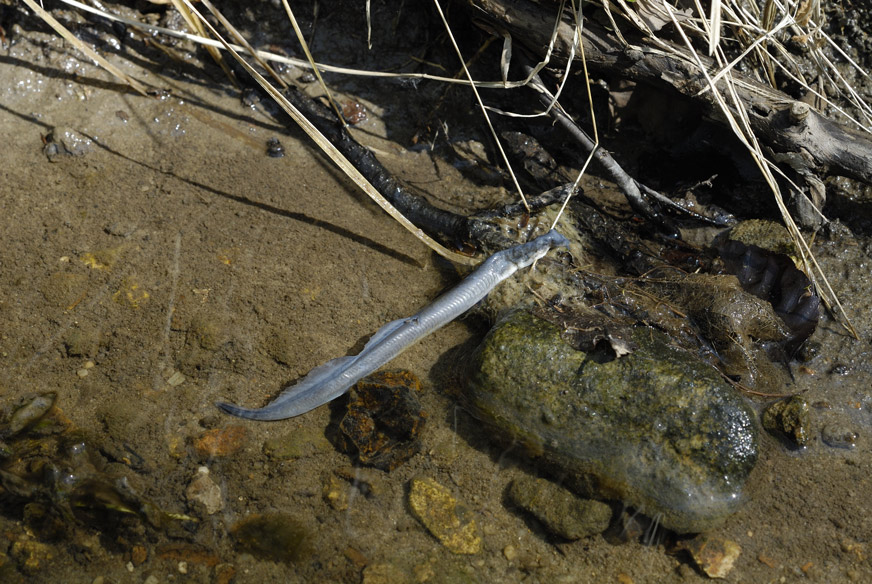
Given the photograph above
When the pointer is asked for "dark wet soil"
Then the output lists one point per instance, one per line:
(168, 262)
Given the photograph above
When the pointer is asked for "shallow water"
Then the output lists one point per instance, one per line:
(175, 264)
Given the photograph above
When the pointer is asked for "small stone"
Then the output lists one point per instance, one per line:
(384, 574)
(176, 379)
(277, 537)
(437, 510)
(183, 567)
(224, 574)
(560, 511)
(138, 555)
(383, 419)
(220, 442)
(335, 494)
(64, 142)
(839, 436)
(203, 490)
(274, 148)
(30, 411)
(790, 417)
(510, 553)
(715, 556)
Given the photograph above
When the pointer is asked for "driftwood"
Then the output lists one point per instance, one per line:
(793, 131)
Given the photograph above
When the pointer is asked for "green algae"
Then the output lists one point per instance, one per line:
(658, 428)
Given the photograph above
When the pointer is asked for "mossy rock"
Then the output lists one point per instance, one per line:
(657, 429)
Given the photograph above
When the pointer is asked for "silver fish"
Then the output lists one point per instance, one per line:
(330, 380)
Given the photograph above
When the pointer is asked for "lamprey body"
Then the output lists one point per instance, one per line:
(335, 377)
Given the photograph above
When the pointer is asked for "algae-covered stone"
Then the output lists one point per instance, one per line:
(657, 429)
(790, 417)
(560, 511)
(277, 537)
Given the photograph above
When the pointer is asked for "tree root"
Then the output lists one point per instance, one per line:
(788, 127)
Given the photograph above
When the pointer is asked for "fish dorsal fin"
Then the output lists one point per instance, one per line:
(384, 332)
(319, 375)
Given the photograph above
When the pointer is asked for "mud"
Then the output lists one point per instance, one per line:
(167, 262)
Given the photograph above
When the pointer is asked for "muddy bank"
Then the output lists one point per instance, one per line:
(167, 262)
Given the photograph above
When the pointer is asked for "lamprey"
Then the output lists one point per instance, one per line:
(330, 380)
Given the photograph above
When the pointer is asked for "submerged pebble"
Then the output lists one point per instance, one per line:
(657, 429)
(715, 556)
(790, 417)
(29, 413)
(837, 435)
(65, 142)
(560, 511)
(448, 521)
(203, 490)
(220, 442)
(277, 537)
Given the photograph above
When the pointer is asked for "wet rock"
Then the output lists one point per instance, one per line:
(657, 429)
(838, 435)
(274, 148)
(220, 442)
(560, 511)
(383, 419)
(336, 493)
(204, 491)
(277, 537)
(138, 555)
(57, 478)
(713, 555)
(30, 411)
(437, 510)
(790, 417)
(65, 142)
